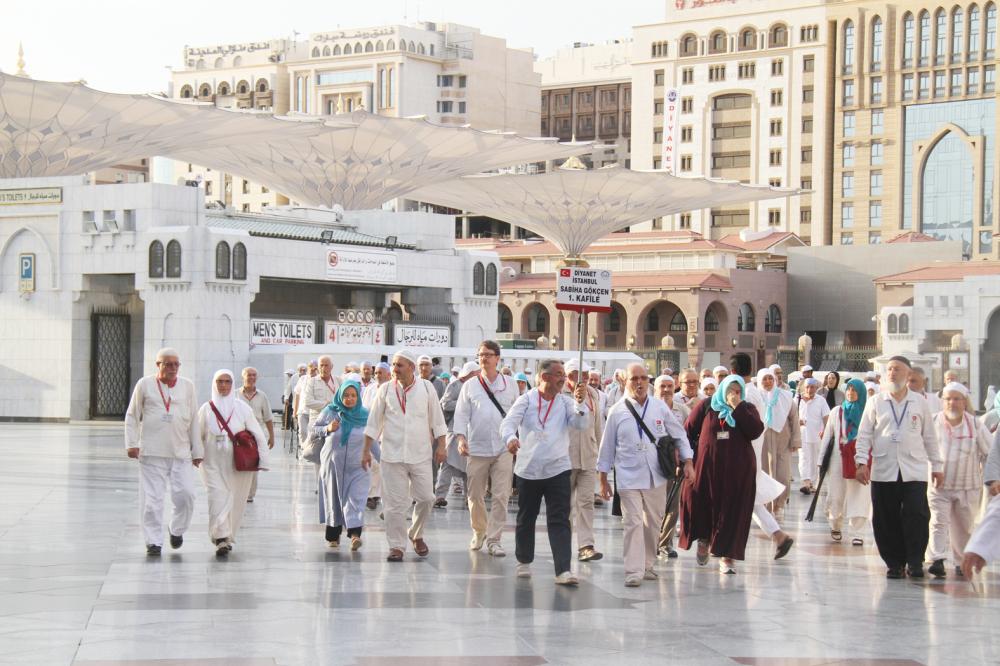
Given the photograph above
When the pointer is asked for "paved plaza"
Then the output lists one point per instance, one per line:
(76, 587)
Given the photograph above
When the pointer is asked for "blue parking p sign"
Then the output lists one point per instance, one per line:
(27, 271)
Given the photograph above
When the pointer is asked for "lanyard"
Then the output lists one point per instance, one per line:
(542, 421)
(329, 384)
(402, 398)
(487, 388)
(248, 397)
(166, 399)
(224, 425)
(642, 417)
(902, 415)
(950, 430)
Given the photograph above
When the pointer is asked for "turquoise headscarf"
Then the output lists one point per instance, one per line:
(719, 403)
(349, 418)
(854, 410)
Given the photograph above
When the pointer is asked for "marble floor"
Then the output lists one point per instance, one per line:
(77, 588)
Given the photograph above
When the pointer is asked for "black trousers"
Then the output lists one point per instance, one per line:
(556, 493)
(900, 519)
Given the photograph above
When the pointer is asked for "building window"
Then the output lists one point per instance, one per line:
(875, 184)
(445, 107)
(505, 320)
(777, 97)
(924, 88)
(807, 125)
(685, 163)
(733, 101)
(774, 182)
(972, 79)
(807, 94)
(613, 322)
(774, 217)
(772, 323)
(940, 36)
(186, 93)
(491, 280)
(730, 160)
(687, 104)
(848, 156)
(658, 136)
(849, 122)
(874, 237)
(717, 42)
(877, 153)
(652, 322)
(907, 87)
(748, 39)
(746, 70)
(686, 134)
(956, 82)
(878, 121)
(678, 324)
(878, 44)
(847, 239)
(775, 128)
(731, 131)
(778, 36)
(805, 215)
(658, 107)
(806, 183)
(892, 324)
(538, 319)
(687, 75)
(685, 221)
(904, 324)
(924, 52)
(239, 262)
(478, 279)
(957, 27)
(876, 97)
(847, 184)
(991, 31)
(245, 208)
(807, 155)
(909, 32)
(777, 67)
(846, 215)
(156, 259)
(658, 50)
(940, 83)
(809, 33)
(874, 213)
(711, 320)
(989, 78)
(717, 73)
(809, 63)
(689, 46)
(730, 218)
(848, 53)
(173, 259)
(222, 260)
(973, 33)
(774, 157)
(658, 77)
(745, 319)
(657, 162)
(848, 93)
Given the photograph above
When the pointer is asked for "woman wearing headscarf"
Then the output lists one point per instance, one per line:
(708, 387)
(847, 498)
(227, 488)
(345, 482)
(781, 434)
(831, 390)
(717, 507)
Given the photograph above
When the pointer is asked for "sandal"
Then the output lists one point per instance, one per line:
(836, 535)
(702, 553)
(395, 555)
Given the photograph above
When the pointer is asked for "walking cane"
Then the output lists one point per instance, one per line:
(824, 467)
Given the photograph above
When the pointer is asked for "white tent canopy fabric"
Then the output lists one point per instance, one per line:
(574, 207)
(357, 160)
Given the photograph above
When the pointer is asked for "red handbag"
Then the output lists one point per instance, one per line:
(246, 457)
(847, 452)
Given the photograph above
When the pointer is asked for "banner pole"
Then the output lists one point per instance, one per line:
(583, 342)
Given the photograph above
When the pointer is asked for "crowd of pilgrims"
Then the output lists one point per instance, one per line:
(392, 441)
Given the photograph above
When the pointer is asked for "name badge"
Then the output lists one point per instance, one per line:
(220, 440)
(894, 437)
(167, 418)
(723, 434)
(659, 426)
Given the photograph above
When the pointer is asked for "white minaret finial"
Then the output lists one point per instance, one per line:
(20, 60)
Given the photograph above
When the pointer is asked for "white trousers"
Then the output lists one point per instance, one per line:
(642, 513)
(376, 485)
(154, 474)
(765, 519)
(846, 498)
(953, 515)
(809, 462)
(400, 482)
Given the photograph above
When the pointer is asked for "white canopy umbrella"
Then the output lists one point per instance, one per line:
(574, 207)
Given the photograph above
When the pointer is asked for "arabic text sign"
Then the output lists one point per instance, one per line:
(281, 332)
(31, 195)
(583, 289)
(361, 266)
(353, 334)
(421, 336)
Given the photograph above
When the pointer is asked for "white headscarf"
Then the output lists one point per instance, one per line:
(225, 404)
(777, 401)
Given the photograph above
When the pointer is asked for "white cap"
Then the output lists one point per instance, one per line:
(871, 386)
(956, 387)
(468, 369)
(807, 368)
(774, 367)
(456, 370)
(573, 365)
(289, 372)
(424, 358)
(720, 368)
(303, 366)
(406, 354)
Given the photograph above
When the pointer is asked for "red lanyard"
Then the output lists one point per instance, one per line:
(223, 426)
(248, 397)
(542, 421)
(329, 384)
(487, 388)
(402, 398)
(965, 422)
(166, 400)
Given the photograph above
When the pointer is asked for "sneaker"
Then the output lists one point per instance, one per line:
(649, 574)
(440, 503)
(915, 571)
(523, 570)
(355, 543)
(478, 539)
(153, 550)
(633, 580)
(937, 569)
(176, 541)
(726, 566)
(567, 578)
(588, 554)
(895, 573)
(496, 550)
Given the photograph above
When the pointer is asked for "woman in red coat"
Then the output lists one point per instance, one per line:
(716, 508)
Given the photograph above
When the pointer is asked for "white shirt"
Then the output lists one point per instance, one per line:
(985, 542)
(478, 419)
(406, 420)
(297, 391)
(317, 394)
(626, 447)
(900, 436)
(158, 431)
(544, 435)
(964, 448)
(812, 412)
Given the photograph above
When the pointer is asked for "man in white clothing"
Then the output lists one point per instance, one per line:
(406, 417)
(626, 447)
(477, 431)
(318, 391)
(261, 408)
(917, 383)
(161, 432)
(813, 413)
(688, 384)
(299, 404)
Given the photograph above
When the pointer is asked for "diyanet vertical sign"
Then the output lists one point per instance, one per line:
(668, 157)
(583, 289)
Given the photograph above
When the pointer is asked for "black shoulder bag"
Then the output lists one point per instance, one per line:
(666, 448)
(493, 398)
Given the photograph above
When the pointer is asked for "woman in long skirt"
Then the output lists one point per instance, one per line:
(345, 482)
(847, 498)
(717, 507)
(227, 488)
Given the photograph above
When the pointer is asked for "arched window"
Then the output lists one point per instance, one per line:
(974, 33)
(219, 63)
(205, 90)
(909, 38)
(369, 47)
(186, 92)
(949, 183)
(421, 49)
(412, 48)
(924, 48)
(379, 46)
(491, 279)
(238, 61)
(878, 44)
(991, 30)
(336, 49)
(505, 321)
(904, 324)
(748, 39)
(315, 52)
(773, 322)
(778, 36)
(223, 88)
(200, 64)
(891, 324)
(358, 48)
(848, 47)
(711, 320)
(239, 261)
(940, 36)
(717, 42)
(262, 85)
(390, 45)
(327, 51)
(745, 320)
(538, 319)
(432, 49)
(613, 322)
(243, 87)
(478, 279)
(173, 259)
(156, 259)
(689, 45)
(347, 49)
(957, 34)
(652, 322)
(678, 324)
(222, 260)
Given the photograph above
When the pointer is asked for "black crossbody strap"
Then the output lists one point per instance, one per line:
(639, 420)
(493, 398)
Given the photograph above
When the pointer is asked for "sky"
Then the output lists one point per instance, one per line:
(126, 46)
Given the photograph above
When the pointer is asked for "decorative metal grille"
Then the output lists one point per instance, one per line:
(109, 374)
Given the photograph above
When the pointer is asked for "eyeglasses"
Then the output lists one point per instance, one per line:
(644, 378)
(169, 364)
(691, 382)
(485, 354)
